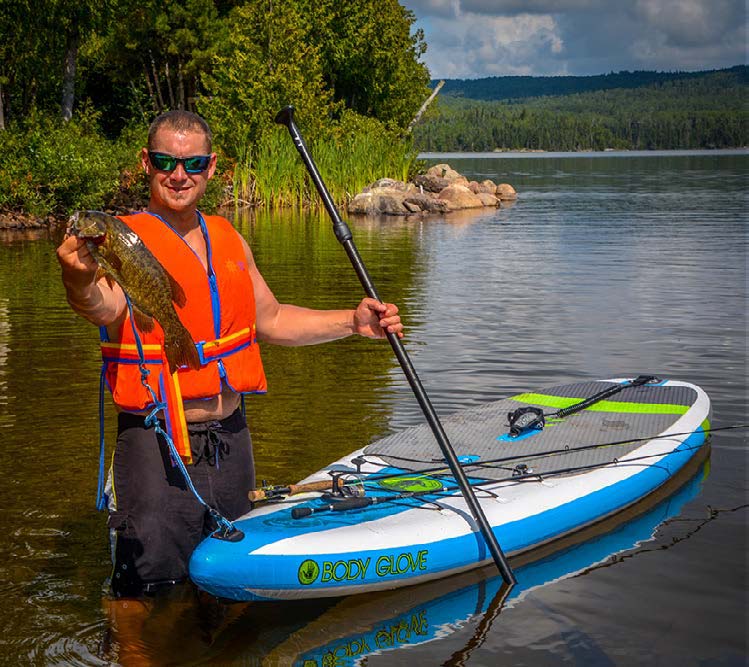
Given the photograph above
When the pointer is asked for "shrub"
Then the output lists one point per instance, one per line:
(51, 167)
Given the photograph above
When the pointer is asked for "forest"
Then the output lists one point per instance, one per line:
(520, 87)
(80, 83)
(687, 111)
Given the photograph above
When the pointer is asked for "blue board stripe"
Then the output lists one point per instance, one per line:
(227, 571)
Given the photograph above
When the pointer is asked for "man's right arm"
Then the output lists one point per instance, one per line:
(96, 300)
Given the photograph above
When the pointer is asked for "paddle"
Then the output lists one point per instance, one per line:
(343, 234)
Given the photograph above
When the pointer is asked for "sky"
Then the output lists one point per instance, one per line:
(478, 38)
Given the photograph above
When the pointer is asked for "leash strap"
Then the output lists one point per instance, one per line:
(174, 421)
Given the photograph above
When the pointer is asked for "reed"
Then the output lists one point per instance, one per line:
(272, 174)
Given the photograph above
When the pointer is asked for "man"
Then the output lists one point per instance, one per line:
(155, 520)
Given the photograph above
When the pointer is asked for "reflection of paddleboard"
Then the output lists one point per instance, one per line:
(589, 461)
(400, 619)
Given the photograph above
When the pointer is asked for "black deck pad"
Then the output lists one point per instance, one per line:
(630, 415)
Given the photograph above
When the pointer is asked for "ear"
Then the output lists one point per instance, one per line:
(211, 165)
(144, 161)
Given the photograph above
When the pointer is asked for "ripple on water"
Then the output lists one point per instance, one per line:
(83, 647)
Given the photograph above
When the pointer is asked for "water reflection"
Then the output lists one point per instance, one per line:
(187, 626)
(6, 419)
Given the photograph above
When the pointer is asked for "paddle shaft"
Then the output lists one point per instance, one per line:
(343, 234)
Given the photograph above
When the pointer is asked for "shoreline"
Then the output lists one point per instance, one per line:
(541, 153)
(18, 221)
(23, 222)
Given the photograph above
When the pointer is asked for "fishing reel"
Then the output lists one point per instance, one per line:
(345, 485)
(524, 420)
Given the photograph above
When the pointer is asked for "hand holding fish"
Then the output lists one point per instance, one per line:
(96, 300)
(78, 264)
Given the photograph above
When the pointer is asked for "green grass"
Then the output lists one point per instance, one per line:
(274, 175)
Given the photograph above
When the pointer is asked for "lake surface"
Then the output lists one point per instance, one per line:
(606, 266)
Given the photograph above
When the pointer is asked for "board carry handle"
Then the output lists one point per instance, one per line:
(342, 232)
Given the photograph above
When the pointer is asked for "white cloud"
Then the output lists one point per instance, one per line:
(493, 45)
(472, 38)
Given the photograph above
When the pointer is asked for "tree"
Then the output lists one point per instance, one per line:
(266, 61)
(370, 58)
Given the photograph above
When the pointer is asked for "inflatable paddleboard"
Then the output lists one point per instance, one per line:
(542, 465)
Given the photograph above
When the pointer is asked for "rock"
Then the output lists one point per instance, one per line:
(363, 203)
(390, 203)
(488, 199)
(385, 201)
(23, 221)
(440, 190)
(426, 203)
(459, 196)
(506, 192)
(389, 184)
(431, 183)
(443, 171)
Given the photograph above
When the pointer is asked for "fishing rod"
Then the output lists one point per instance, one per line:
(273, 492)
(360, 503)
(355, 503)
(342, 232)
(336, 484)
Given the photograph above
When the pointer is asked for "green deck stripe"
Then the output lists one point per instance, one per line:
(603, 406)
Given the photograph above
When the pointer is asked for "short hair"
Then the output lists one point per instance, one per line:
(179, 121)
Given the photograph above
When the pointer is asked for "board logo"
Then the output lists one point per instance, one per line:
(308, 572)
(411, 484)
(356, 569)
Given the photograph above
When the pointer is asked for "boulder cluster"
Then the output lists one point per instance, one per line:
(22, 221)
(440, 190)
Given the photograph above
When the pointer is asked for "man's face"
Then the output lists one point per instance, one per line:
(177, 190)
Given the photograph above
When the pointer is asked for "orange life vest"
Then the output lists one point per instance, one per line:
(219, 313)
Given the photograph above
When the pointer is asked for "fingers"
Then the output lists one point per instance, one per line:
(78, 264)
(389, 320)
(391, 326)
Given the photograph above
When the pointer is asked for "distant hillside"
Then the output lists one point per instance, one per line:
(708, 110)
(518, 87)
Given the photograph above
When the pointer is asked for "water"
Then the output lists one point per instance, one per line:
(605, 266)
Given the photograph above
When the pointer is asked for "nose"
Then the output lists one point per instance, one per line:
(179, 172)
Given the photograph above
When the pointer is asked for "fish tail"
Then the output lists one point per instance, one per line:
(180, 350)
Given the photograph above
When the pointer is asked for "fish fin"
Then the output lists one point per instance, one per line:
(101, 272)
(142, 321)
(178, 294)
(180, 350)
(113, 263)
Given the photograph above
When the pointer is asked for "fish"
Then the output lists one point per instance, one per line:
(124, 258)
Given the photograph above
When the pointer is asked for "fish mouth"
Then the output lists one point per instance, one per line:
(90, 232)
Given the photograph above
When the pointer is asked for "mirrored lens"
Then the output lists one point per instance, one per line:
(162, 161)
(196, 163)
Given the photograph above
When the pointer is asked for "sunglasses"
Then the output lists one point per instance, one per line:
(195, 164)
